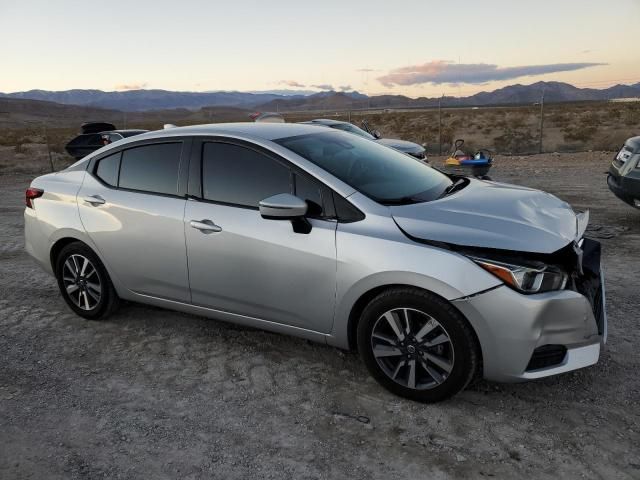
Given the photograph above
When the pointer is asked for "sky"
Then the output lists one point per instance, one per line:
(415, 48)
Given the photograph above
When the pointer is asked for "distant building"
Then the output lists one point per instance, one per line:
(625, 100)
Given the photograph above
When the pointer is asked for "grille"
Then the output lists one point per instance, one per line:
(547, 356)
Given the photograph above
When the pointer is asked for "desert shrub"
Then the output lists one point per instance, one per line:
(631, 116)
(515, 140)
(591, 118)
(580, 132)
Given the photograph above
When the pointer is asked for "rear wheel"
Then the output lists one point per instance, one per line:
(417, 345)
(84, 282)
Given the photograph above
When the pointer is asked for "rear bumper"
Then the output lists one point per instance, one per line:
(510, 326)
(35, 242)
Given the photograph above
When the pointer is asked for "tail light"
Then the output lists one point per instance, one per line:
(30, 194)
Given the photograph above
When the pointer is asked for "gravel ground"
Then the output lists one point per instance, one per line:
(157, 394)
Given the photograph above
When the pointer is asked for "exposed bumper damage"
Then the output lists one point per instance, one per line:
(533, 336)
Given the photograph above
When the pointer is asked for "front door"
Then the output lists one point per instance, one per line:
(245, 264)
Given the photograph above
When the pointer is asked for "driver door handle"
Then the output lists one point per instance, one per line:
(205, 226)
(94, 200)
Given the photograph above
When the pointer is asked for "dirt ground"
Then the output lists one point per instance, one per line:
(157, 394)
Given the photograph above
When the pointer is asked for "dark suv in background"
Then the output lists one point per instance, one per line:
(624, 173)
(96, 135)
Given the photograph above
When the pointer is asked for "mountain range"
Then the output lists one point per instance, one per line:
(144, 100)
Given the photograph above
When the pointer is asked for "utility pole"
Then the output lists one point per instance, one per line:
(440, 125)
(541, 121)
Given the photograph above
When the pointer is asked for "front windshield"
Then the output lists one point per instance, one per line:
(348, 127)
(379, 172)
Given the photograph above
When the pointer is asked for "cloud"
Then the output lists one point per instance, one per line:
(131, 86)
(365, 70)
(345, 88)
(323, 86)
(291, 83)
(440, 71)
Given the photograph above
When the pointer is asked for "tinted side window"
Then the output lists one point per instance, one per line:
(151, 168)
(309, 190)
(108, 168)
(241, 176)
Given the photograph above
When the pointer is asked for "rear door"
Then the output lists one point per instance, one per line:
(250, 265)
(132, 205)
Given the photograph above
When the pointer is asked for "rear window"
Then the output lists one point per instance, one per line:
(151, 168)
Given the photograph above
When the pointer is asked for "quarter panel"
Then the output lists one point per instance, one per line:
(54, 216)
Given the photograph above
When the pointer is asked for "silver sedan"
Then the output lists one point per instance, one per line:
(321, 234)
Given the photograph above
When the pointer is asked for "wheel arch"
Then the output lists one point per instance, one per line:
(364, 299)
(57, 247)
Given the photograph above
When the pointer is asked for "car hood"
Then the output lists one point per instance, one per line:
(401, 145)
(494, 215)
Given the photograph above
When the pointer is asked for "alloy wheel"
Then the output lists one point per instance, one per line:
(81, 282)
(412, 348)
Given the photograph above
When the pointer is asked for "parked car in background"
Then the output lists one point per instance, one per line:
(413, 149)
(624, 173)
(328, 236)
(96, 135)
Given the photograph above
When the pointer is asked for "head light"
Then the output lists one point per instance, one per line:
(523, 278)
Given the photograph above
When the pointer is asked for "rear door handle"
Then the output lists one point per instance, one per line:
(205, 226)
(94, 200)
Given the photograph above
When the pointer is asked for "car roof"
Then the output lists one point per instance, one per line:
(324, 121)
(261, 131)
(633, 143)
(245, 130)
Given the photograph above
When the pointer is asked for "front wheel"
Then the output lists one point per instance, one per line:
(417, 345)
(84, 282)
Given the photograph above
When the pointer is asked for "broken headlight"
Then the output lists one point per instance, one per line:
(525, 279)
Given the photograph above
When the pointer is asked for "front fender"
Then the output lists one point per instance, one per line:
(367, 262)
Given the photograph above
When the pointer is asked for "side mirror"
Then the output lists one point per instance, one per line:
(285, 206)
(376, 134)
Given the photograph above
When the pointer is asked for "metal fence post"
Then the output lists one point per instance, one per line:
(440, 125)
(541, 122)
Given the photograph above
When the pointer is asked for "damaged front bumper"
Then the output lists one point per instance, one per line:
(524, 337)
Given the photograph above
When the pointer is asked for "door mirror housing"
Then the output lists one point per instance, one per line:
(283, 206)
(377, 134)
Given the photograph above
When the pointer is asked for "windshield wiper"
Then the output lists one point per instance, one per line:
(456, 185)
(400, 201)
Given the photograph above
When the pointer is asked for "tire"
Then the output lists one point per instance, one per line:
(434, 361)
(86, 287)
